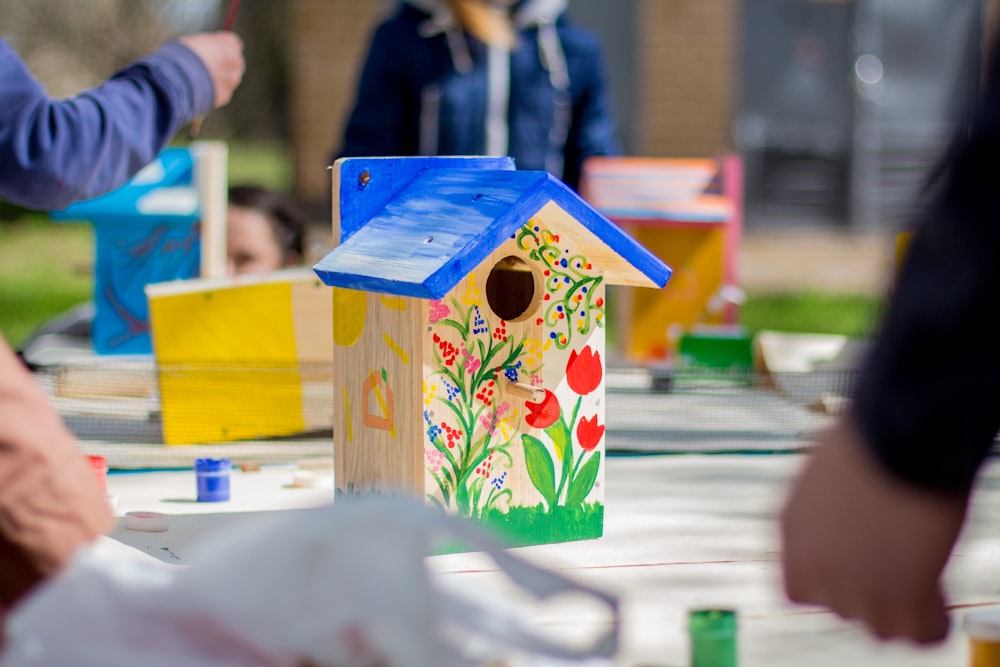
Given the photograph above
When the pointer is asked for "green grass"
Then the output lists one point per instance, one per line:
(45, 268)
(267, 165)
(855, 315)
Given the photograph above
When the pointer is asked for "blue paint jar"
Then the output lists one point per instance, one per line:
(213, 479)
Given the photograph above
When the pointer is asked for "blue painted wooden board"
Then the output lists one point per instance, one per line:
(145, 232)
(433, 232)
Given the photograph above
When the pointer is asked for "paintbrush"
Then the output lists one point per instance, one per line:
(228, 25)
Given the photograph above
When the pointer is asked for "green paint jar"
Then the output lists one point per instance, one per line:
(713, 637)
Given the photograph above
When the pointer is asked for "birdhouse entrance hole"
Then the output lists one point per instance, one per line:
(512, 289)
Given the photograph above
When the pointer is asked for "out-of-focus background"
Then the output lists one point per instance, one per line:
(837, 107)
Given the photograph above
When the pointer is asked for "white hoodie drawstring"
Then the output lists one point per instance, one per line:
(554, 61)
(544, 14)
(442, 22)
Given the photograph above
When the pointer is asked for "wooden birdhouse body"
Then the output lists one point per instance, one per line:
(470, 365)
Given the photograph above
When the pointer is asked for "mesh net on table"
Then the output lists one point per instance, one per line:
(115, 409)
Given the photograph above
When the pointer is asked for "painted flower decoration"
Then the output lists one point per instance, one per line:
(589, 433)
(543, 414)
(584, 370)
(438, 311)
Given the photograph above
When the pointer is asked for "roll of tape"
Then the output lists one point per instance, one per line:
(147, 522)
(310, 479)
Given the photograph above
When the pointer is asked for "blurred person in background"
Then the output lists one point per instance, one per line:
(484, 77)
(871, 521)
(265, 231)
(54, 152)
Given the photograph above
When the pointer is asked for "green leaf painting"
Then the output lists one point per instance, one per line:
(540, 468)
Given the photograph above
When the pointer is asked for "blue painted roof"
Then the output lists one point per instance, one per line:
(447, 221)
(367, 184)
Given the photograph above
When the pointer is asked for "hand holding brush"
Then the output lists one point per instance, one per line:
(222, 53)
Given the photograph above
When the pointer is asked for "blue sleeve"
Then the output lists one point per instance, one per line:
(54, 152)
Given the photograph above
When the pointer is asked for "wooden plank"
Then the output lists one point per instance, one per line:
(643, 268)
(377, 410)
(105, 378)
(211, 165)
(312, 319)
(237, 356)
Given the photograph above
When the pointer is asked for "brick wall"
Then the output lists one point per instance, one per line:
(330, 38)
(687, 51)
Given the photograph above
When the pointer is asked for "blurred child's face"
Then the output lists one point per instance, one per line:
(252, 246)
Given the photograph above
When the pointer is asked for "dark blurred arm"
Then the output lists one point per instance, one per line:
(929, 397)
(51, 503)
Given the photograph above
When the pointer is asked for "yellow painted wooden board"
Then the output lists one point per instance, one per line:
(238, 359)
(688, 213)
(697, 256)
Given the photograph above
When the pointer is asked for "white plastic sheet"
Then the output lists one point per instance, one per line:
(341, 586)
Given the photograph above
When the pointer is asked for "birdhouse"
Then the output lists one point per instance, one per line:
(469, 339)
(688, 212)
(163, 224)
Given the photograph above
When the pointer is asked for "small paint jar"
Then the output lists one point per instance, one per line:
(983, 628)
(713, 637)
(99, 465)
(213, 479)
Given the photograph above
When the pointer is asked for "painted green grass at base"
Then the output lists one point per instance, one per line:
(527, 526)
(524, 526)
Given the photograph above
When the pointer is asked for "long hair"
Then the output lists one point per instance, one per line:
(484, 20)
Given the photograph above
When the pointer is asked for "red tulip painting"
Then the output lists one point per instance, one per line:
(589, 433)
(584, 371)
(544, 414)
(577, 471)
